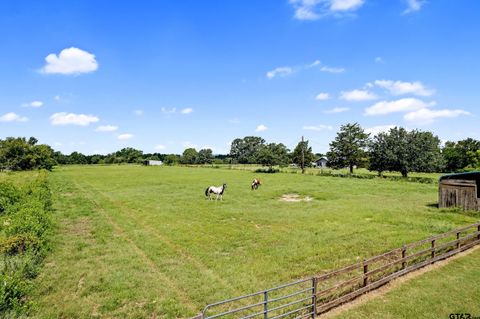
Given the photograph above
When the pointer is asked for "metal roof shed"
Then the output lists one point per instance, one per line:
(460, 190)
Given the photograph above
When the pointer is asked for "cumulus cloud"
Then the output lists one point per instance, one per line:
(316, 9)
(337, 110)
(379, 129)
(320, 127)
(125, 136)
(261, 128)
(357, 95)
(138, 112)
(187, 110)
(34, 104)
(401, 105)
(281, 72)
(322, 97)
(64, 118)
(106, 128)
(160, 147)
(401, 88)
(70, 61)
(426, 116)
(413, 6)
(12, 117)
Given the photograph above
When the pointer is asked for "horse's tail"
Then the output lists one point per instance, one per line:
(206, 191)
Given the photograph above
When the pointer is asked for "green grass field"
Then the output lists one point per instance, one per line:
(136, 242)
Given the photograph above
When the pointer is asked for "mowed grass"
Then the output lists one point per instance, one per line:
(136, 242)
(452, 289)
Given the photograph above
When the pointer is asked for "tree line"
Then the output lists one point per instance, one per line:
(397, 150)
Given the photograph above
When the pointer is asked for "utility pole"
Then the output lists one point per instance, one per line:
(303, 156)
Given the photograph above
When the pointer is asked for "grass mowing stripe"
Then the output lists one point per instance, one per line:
(183, 296)
(204, 269)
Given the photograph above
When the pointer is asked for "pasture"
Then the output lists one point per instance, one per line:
(136, 242)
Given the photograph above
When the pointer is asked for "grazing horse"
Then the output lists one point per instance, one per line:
(217, 190)
(256, 182)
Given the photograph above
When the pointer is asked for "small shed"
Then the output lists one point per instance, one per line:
(460, 190)
(321, 162)
(152, 163)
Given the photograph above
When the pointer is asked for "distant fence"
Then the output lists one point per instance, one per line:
(310, 297)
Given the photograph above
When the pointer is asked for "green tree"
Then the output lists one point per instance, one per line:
(205, 156)
(404, 152)
(171, 159)
(348, 148)
(129, 155)
(189, 156)
(273, 154)
(245, 151)
(456, 154)
(16, 153)
(308, 155)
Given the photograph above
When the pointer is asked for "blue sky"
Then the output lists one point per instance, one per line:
(160, 76)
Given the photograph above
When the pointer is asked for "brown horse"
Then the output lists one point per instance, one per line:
(256, 182)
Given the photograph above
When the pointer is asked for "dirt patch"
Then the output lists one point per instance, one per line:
(295, 198)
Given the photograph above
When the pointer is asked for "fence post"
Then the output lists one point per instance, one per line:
(458, 240)
(314, 297)
(265, 304)
(404, 254)
(433, 249)
(478, 229)
(365, 270)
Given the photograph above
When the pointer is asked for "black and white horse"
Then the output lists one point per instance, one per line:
(217, 190)
(256, 182)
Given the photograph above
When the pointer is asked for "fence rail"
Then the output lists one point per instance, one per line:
(316, 295)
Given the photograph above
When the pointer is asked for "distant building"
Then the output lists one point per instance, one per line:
(321, 162)
(152, 163)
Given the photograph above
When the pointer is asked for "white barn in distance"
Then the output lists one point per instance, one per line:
(153, 163)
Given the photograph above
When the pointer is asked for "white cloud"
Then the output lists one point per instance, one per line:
(106, 128)
(336, 110)
(357, 95)
(379, 59)
(345, 5)
(402, 105)
(138, 112)
(313, 64)
(168, 111)
(64, 118)
(316, 9)
(320, 127)
(400, 88)
(332, 70)
(188, 110)
(426, 116)
(160, 147)
(70, 61)
(322, 96)
(125, 136)
(379, 129)
(234, 121)
(13, 117)
(261, 128)
(413, 5)
(33, 104)
(281, 71)
(56, 97)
